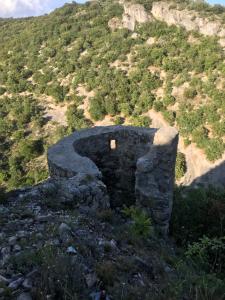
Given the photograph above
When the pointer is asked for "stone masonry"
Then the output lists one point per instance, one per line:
(116, 166)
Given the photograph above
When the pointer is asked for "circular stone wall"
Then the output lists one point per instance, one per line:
(116, 153)
(135, 164)
(110, 153)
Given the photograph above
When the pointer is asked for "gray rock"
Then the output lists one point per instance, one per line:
(27, 284)
(12, 240)
(16, 283)
(134, 13)
(44, 219)
(190, 20)
(98, 296)
(39, 235)
(91, 280)
(2, 235)
(71, 250)
(17, 248)
(2, 291)
(4, 280)
(24, 296)
(64, 232)
(21, 234)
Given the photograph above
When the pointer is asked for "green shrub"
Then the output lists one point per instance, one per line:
(198, 212)
(106, 271)
(190, 93)
(2, 90)
(209, 253)
(76, 119)
(141, 121)
(142, 224)
(181, 166)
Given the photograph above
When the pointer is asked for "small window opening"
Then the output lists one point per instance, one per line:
(113, 144)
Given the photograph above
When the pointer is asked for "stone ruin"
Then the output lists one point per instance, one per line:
(116, 166)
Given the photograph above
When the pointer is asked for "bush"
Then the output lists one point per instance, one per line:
(142, 224)
(97, 109)
(198, 212)
(106, 271)
(181, 166)
(30, 148)
(141, 121)
(209, 253)
(76, 119)
(190, 93)
(2, 90)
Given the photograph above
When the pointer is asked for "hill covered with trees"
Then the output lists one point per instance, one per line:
(78, 67)
(72, 61)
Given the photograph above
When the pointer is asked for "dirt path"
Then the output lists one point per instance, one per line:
(54, 112)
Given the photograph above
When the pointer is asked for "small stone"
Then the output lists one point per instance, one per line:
(27, 284)
(2, 291)
(17, 248)
(64, 228)
(12, 240)
(91, 280)
(3, 280)
(168, 269)
(71, 250)
(113, 244)
(2, 235)
(5, 251)
(32, 273)
(43, 219)
(64, 232)
(99, 295)
(21, 234)
(16, 283)
(24, 296)
(39, 235)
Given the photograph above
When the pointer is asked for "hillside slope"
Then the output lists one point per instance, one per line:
(54, 66)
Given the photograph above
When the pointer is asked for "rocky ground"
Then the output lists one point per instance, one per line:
(49, 251)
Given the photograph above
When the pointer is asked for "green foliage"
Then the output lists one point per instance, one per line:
(106, 271)
(193, 283)
(181, 166)
(141, 224)
(198, 212)
(30, 149)
(141, 121)
(57, 91)
(2, 90)
(190, 93)
(53, 267)
(76, 119)
(118, 120)
(209, 253)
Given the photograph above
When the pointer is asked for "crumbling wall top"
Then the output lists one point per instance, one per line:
(64, 161)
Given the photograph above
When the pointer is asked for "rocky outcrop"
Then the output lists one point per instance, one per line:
(190, 20)
(115, 23)
(133, 14)
(164, 11)
(80, 191)
(135, 164)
